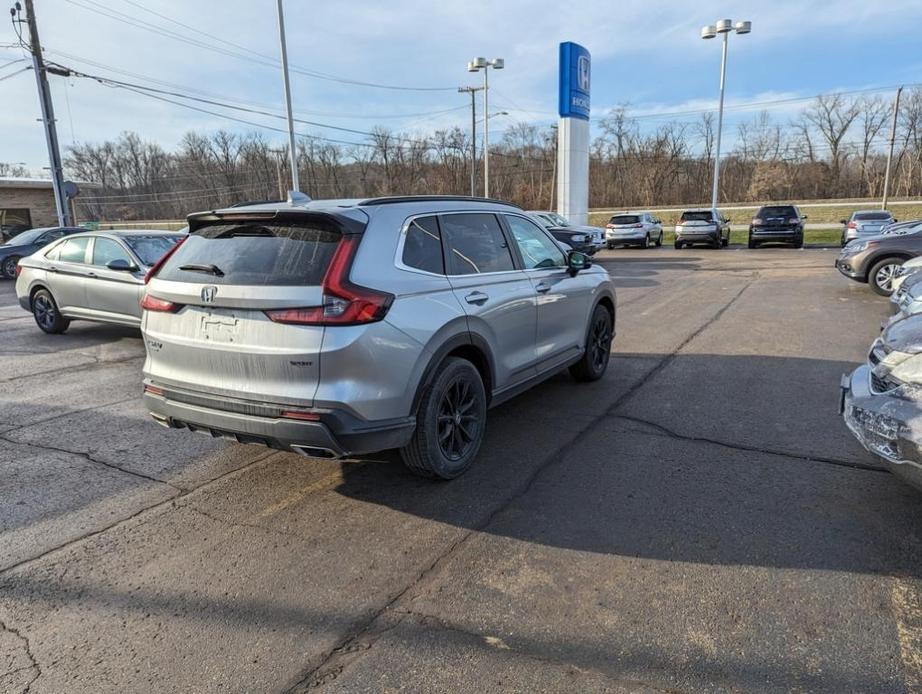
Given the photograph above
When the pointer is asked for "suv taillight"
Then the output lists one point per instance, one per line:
(344, 303)
(166, 256)
(18, 269)
(152, 303)
(852, 225)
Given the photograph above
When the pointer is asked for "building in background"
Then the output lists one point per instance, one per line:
(27, 203)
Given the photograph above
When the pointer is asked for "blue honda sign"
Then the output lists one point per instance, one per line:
(574, 81)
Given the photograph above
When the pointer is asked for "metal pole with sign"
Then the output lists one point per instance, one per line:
(573, 133)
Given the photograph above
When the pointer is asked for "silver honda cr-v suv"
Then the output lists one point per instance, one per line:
(342, 327)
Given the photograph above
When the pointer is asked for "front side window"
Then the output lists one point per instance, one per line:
(538, 251)
(151, 248)
(422, 247)
(107, 250)
(474, 243)
(48, 237)
(73, 250)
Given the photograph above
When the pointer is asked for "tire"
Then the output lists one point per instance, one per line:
(726, 241)
(718, 242)
(592, 365)
(659, 240)
(8, 269)
(752, 243)
(799, 242)
(881, 275)
(610, 246)
(46, 314)
(678, 245)
(646, 241)
(450, 422)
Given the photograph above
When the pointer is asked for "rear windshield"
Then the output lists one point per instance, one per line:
(149, 249)
(872, 216)
(696, 216)
(777, 211)
(253, 253)
(624, 219)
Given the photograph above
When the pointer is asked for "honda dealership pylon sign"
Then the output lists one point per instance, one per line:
(573, 133)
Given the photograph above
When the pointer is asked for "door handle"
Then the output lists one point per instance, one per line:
(543, 287)
(52, 268)
(478, 298)
(91, 274)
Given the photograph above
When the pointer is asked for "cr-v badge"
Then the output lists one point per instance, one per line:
(209, 293)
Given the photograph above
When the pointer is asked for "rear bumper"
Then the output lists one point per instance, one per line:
(698, 236)
(338, 434)
(883, 424)
(780, 234)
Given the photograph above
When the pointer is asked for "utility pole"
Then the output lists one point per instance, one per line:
(44, 97)
(291, 124)
(896, 112)
(472, 91)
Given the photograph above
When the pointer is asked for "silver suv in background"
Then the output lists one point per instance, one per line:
(864, 223)
(634, 229)
(702, 226)
(333, 328)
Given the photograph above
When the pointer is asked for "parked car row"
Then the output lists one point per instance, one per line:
(270, 323)
(881, 401)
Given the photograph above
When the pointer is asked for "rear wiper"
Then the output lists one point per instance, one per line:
(208, 269)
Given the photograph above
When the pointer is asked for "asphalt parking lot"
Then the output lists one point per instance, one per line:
(698, 520)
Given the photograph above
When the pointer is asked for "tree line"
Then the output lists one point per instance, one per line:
(835, 147)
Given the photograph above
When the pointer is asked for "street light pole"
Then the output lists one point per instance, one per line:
(724, 27)
(472, 91)
(474, 66)
(896, 112)
(291, 124)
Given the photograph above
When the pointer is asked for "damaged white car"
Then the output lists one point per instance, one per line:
(881, 401)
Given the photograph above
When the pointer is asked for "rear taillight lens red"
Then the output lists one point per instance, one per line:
(344, 303)
(638, 226)
(152, 303)
(18, 269)
(852, 225)
(153, 390)
(159, 264)
(301, 414)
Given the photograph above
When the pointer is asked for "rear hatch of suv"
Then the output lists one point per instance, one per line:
(775, 218)
(240, 308)
(624, 222)
(696, 222)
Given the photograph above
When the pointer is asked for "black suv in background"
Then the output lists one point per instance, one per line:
(777, 224)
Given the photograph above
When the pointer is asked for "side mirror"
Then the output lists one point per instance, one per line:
(895, 220)
(122, 265)
(577, 261)
(843, 221)
(803, 216)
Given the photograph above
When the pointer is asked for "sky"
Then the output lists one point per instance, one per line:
(647, 54)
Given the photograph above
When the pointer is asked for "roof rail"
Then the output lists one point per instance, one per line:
(394, 199)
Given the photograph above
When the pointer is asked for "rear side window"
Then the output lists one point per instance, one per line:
(422, 248)
(697, 216)
(254, 253)
(777, 211)
(624, 219)
(872, 216)
(73, 250)
(474, 243)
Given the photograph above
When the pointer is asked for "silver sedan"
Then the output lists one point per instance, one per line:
(97, 276)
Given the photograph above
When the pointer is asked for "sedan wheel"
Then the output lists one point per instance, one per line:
(8, 269)
(46, 314)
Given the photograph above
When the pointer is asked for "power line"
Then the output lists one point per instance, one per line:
(247, 54)
(13, 74)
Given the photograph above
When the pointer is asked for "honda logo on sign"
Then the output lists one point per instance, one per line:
(209, 293)
(583, 73)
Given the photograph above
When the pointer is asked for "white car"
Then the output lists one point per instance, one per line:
(552, 220)
(634, 229)
(907, 269)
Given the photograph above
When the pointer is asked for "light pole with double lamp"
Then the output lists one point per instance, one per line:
(476, 65)
(724, 27)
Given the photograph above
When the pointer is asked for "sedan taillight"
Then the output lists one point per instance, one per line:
(18, 269)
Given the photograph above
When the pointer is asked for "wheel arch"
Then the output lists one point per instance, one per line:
(884, 255)
(468, 346)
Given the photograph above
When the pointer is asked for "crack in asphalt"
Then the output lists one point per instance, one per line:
(366, 631)
(27, 646)
(18, 427)
(95, 364)
(153, 507)
(238, 524)
(92, 459)
(669, 433)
